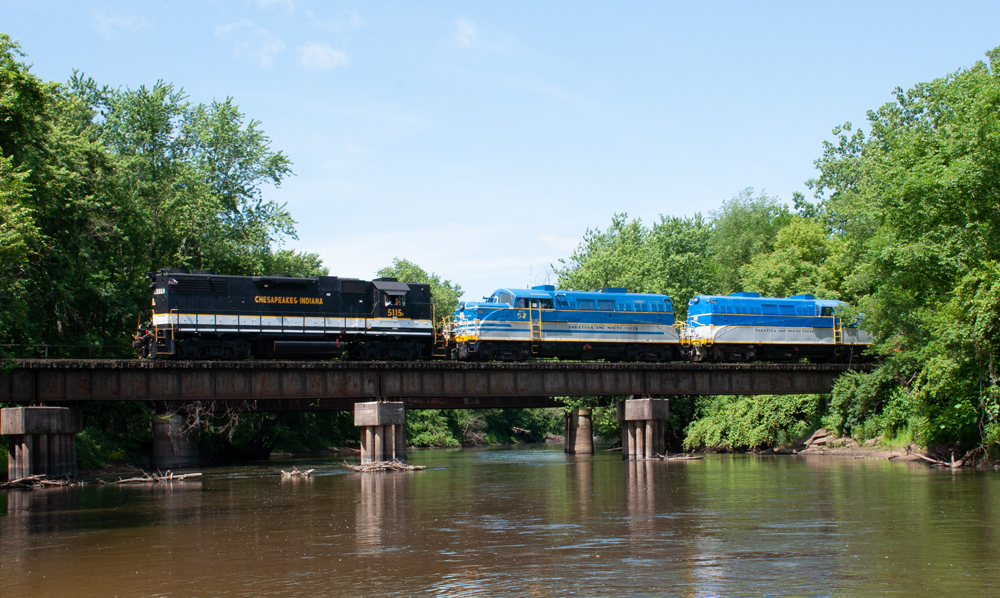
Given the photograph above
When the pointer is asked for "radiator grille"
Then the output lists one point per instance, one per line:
(352, 287)
(200, 285)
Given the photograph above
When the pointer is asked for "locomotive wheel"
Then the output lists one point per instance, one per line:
(486, 352)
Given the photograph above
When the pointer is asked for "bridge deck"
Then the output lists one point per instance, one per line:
(281, 385)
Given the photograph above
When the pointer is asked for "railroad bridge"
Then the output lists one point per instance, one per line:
(397, 386)
(318, 385)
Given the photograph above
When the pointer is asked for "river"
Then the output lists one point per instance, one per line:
(524, 521)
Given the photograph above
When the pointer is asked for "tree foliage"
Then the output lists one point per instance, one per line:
(301, 264)
(745, 423)
(444, 293)
(100, 185)
(669, 258)
(805, 259)
(745, 226)
(916, 200)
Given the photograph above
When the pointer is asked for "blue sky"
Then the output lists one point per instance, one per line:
(481, 140)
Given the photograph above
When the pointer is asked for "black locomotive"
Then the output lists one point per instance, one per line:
(201, 314)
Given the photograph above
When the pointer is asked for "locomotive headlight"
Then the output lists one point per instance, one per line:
(693, 301)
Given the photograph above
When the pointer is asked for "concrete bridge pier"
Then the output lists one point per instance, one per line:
(579, 432)
(173, 446)
(383, 431)
(642, 427)
(41, 441)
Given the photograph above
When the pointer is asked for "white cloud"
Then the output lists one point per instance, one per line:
(465, 32)
(320, 57)
(109, 25)
(251, 41)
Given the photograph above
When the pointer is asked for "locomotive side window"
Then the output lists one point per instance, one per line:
(827, 311)
(506, 298)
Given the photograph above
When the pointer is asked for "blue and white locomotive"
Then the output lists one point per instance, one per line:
(748, 327)
(610, 323)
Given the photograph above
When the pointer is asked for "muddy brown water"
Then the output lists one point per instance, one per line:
(528, 521)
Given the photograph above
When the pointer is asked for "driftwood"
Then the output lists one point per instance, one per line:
(155, 478)
(40, 480)
(295, 473)
(394, 465)
(953, 464)
(681, 457)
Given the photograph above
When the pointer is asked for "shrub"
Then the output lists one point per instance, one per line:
(746, 423)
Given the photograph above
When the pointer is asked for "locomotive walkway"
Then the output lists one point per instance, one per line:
(335, 385)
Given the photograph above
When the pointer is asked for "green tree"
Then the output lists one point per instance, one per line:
(745, 226)
(301, 264)
(20, 244)
(58, 225)
(671, 258)
(100, 185)
(917, 202)
(678, 248)
(616, 257)
(805, 259)
(745, 423)
(444, 293)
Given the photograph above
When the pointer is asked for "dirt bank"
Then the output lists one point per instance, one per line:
(822, 442)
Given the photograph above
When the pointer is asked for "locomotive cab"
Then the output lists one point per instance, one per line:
(390, 298)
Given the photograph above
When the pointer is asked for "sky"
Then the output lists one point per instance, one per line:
(482, 140)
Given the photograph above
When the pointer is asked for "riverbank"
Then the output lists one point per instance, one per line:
(823, 443)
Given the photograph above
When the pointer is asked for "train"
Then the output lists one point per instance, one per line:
(204, 315)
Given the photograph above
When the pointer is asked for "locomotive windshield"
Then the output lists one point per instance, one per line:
(395, 300)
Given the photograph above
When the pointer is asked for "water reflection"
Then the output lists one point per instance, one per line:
(381, 510)
(640, 494)
(32, 513)
(500, 522)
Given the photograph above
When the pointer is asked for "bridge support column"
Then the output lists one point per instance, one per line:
(579, 432)
(41, 441)
(642, 427)
(173, 448)
(383, 431)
